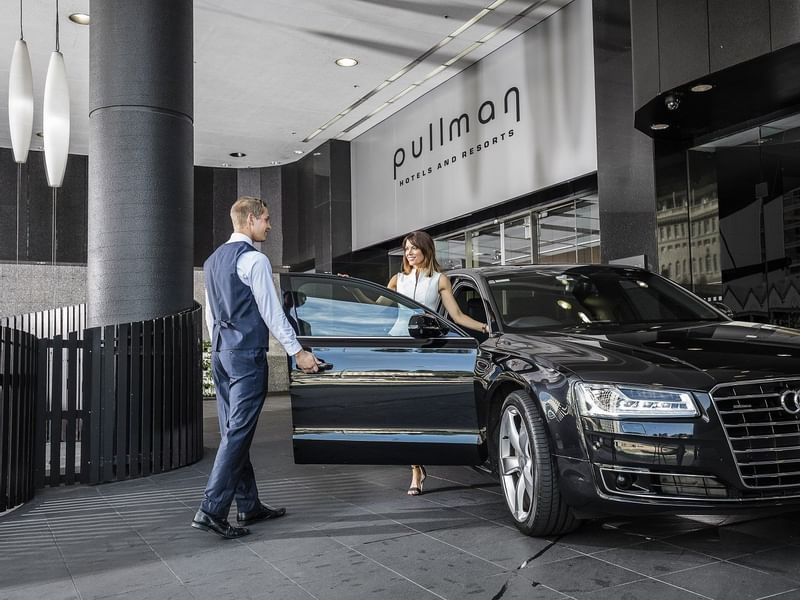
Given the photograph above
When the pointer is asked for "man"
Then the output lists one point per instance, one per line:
(242, 308)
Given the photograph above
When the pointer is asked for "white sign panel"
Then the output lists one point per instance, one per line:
(520, 120)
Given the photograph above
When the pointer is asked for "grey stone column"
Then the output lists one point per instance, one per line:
(140, 160)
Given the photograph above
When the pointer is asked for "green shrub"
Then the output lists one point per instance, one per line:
(208, 382)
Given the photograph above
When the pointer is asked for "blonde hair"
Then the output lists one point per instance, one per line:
(424, 243)
(244, 207)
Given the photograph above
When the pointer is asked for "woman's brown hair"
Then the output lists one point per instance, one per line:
(422, 241)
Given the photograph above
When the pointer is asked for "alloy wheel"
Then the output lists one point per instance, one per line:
(516, 463)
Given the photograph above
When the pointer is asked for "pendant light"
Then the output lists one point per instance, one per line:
(20, 97)
(20, 109)
(55, 118)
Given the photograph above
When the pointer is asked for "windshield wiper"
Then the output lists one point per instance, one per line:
(597, 322)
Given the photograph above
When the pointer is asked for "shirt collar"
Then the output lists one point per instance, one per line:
(240, 237)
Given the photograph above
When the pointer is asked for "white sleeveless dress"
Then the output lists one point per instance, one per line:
(424, 289)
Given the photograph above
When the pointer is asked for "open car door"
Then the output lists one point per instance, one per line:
(397, 385)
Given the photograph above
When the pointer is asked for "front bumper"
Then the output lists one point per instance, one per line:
(631, 467)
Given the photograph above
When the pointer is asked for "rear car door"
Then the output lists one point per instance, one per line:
(383, 396)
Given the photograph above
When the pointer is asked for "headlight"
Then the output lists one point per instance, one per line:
(618, 401)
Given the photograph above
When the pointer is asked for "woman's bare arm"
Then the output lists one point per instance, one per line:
(449, 301)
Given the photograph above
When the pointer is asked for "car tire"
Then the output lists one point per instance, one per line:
(527, 473)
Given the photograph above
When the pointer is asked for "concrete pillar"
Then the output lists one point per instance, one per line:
(140, 160)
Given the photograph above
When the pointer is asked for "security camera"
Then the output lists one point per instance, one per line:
(672, 101)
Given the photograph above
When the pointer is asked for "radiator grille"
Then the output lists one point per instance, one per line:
(764, 438)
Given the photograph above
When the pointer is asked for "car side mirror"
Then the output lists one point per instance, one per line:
(723, 308)
(426, 326)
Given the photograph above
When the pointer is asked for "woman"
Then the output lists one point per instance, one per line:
(422, 280)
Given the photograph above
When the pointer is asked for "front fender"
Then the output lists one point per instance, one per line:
(550, 389)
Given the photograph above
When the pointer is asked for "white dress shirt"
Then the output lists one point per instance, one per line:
(255, 272)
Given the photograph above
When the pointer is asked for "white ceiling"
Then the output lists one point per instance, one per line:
(264, 72)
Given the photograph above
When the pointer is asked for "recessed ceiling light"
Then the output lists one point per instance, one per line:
(317, 153)
(79, 18)
(702, 87)
(226, 164)
(298, 151)
(237, 154)
(275, 162)
(346, 62)
(659, 126)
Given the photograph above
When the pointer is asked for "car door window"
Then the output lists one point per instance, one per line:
(338, 307)
(470, 303)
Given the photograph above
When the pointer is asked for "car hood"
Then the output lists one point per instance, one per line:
(695, 356)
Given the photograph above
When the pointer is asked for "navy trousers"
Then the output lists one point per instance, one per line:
(240, 377)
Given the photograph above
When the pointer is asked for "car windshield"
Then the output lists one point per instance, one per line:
(587, 296)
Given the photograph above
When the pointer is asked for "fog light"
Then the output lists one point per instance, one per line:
(624, 481)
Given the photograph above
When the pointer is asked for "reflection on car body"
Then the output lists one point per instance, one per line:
(601, 390)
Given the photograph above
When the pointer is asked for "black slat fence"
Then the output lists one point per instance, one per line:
(95, 405)
(18, 376)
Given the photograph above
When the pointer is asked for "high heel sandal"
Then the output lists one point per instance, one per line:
(417, 490)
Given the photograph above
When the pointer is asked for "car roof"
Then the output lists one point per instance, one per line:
(500, 271)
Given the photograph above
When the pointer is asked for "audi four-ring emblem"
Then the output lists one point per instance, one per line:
(790, 401)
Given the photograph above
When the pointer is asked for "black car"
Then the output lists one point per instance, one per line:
(601, 390)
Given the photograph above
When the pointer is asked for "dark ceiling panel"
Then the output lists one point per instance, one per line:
(738, 31)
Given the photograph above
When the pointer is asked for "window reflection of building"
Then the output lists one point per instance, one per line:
(728, 218)
(688, 226)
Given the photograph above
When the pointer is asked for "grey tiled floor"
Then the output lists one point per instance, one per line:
(351, 532)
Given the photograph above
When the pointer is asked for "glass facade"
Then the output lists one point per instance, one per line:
(728, 218)
(570, 233)
(564, 232)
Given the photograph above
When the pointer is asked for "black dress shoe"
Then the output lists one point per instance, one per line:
(262, 513)
(206, 522)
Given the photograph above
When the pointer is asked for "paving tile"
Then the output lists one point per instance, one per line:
(286, 548)
(723, 581)
(94, 583)
(639, 590)
(653, 527)
(201, 565)
(432, 564)
(21, 572)
(339, 573)
(784, 528)
(171, 591)
(654, 558)
(503, 545)
(392, 589)
(722, 542)
(510, 586)
(578, 575)
(240, 585)
(354, 533)
(61, 589)
(494, 510)
(783, 561)
(592, 537)
(790, 595)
